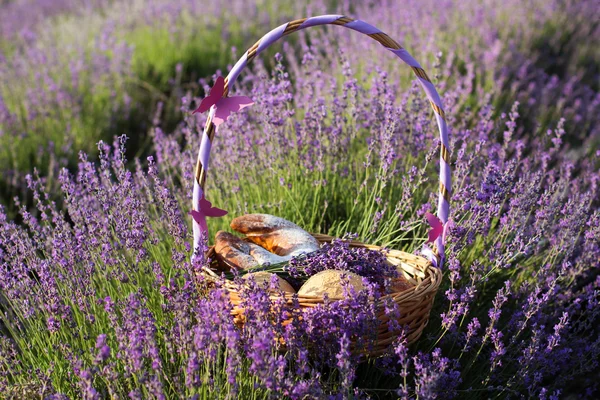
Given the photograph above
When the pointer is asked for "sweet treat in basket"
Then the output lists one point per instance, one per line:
(330, 282)
(233, 251)
(400, 284)
(275, 234)
(236, 252)
(262, 276)
(264, 256)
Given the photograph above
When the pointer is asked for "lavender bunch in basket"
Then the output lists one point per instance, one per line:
(339, 255)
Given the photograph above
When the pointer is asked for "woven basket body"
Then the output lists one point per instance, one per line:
(415, 303)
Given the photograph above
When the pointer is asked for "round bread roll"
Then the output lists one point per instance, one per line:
(330, 282)
(262, 276)
(275, 234)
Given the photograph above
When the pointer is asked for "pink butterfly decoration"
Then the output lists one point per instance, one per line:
(206, 210)
(437, 227)
(224, 106)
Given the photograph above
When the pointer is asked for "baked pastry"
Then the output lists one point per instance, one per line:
(263, 276)
(400, 284)
(330, 282)
(276, 234)
(238, 253)
(233, 251)
(263, 256)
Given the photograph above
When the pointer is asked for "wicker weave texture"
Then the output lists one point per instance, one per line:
(414, 304)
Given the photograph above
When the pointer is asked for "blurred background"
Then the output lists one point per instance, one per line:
(73, 72)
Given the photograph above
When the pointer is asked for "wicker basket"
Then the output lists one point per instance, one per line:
(414, 303)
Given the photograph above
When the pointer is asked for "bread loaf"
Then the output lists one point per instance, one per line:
(262, 276)
(330, 282)
(243, 255)
(275, 234)
(233, 251)
(263, 256)
(400, 284)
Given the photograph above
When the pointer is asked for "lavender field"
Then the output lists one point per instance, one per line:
(99, 298)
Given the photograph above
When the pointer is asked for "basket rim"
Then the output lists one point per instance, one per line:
(428, 282)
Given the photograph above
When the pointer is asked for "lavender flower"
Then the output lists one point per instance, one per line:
(339, 255)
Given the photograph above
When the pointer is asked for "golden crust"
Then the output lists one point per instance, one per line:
(330, 281)
(233, 251)
(275, 234)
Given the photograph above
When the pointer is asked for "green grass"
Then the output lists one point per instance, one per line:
(112, 104)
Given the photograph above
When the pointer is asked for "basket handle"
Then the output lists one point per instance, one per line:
(437, 254)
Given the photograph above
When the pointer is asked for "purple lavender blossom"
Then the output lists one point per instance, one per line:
(339, 255)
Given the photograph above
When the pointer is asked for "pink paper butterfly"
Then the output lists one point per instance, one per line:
(437, 227)
(224, 106)
(206, 210)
